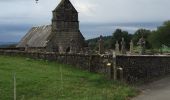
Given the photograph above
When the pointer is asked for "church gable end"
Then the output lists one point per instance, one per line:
(65, 17)
(65, 27)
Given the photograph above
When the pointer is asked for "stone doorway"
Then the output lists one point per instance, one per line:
(68, 50)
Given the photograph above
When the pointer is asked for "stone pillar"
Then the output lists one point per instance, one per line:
(123, 49)
(117, 47)
(101, 45)
(114, 68)
(131, 46)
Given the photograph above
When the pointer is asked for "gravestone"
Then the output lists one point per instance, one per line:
(101, 45)
(123, 49)
(142, 43)
(131, 46)
(117, 47)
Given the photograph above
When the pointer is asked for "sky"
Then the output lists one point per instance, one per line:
(97, 17)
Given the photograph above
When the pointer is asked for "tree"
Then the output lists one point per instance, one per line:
(154, 39)
(118, 35)
(93, 43)
(161, 36)
(142, 33)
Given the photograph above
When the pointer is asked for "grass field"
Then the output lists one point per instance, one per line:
(43, 80)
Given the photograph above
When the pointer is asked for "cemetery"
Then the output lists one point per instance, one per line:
(127, 61)
(46, 42)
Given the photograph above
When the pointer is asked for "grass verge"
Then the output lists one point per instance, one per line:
(43, 80)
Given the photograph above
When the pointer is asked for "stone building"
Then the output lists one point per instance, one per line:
(62, 36)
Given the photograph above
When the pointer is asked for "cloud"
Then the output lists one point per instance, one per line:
(90, 10)
(95, 30)
(13, 32)
(96, 16)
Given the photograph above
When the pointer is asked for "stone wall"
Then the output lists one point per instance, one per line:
(131, 69)
(92, 63)
(143, 68)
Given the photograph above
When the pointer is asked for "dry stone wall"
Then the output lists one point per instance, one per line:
(92, 63)
(131, 69)
(143, 68)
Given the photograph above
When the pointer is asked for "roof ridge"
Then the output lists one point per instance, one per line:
(63, 2)
(42, 26)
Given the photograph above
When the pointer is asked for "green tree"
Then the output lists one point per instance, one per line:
(142, 33)
(161, 36)
(93, 43)
(118, 35)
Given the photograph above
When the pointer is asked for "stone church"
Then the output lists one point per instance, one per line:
(62, 36)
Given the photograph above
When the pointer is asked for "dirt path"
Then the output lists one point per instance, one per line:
(158, 90)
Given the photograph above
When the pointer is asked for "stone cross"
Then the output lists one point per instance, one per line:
(131, 46)
(123, 49)
(117, 47)
(142, 43)
(101, 45)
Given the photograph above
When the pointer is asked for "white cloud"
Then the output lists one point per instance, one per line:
(90, 11)
(85, 8)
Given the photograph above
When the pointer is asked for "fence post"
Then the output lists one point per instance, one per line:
(114, 68)
(110, 65)
(90, 62)
(111, 71)
(121, 73)
(15, 87)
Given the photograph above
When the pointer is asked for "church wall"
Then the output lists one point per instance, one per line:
(63, 40)
(65, 28)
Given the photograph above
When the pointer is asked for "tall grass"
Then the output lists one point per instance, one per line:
(43, 80)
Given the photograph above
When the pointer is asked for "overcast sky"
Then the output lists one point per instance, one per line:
(97, 17)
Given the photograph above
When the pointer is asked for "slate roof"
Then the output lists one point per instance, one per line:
(36, 37)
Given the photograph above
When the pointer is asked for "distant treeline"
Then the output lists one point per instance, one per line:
(154, 39)
(8, 45)
(93, 43)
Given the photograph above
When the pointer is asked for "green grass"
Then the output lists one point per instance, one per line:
(41, 80)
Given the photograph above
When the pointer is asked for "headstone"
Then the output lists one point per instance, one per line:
(123, 49)
(72, 46)
(131, 46)
(142, 43)
(117, 47)
(101, 45)
(81, 51)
